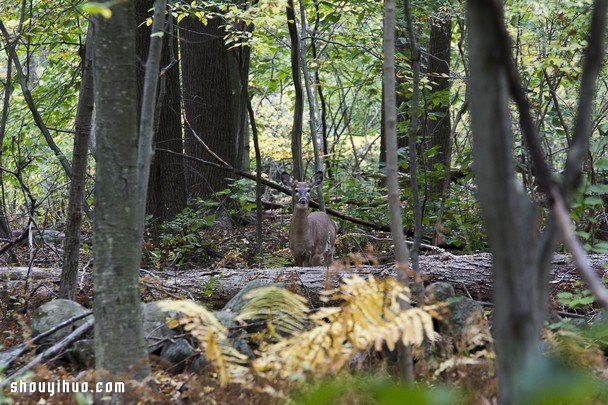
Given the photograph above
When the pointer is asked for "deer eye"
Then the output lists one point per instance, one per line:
(308, 190)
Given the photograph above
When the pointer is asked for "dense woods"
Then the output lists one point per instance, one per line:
(155, 159)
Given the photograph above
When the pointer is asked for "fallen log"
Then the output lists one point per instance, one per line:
(471, 275)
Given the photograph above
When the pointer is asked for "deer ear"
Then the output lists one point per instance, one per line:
(286, 179)
(317, 178)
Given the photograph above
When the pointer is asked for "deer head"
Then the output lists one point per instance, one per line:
(301, 189)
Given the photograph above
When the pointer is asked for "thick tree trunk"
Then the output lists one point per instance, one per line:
(212, 101)
(166, 186)
(119, 339)
(510, 220)
(84, 114)
(439, 128)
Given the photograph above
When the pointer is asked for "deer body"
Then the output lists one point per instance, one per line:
(312, 236)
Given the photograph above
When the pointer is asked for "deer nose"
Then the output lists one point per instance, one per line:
(302, 200)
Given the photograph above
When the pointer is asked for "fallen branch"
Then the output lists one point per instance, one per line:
(16, 351)
(50, 352)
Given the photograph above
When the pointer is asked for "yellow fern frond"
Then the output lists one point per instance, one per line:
(286, 311)
(370, 316)
(212, 336)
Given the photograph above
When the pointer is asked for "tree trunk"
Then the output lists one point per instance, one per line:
(84, 113)
(212, 77)
(471, 276)
(402, 256)
(509, 217)
(439, 127)
(298, 111)
(5, 230)
(119, 339)
(166, 186)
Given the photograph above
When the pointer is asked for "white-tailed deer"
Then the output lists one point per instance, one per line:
(312, 236)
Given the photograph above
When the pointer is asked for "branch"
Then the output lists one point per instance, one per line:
(32, 105)
(594, 282)
(582, 131)
(280, 188)
(50, 352)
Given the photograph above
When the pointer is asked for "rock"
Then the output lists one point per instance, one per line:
(199, 364)
(82, 354)
(237, 336)
(53, 313)
(236, 304)
(439, 291)
(156, 330)
(466, 325)
(177, 353)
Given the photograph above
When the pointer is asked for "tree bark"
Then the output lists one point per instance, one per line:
(298, 111)
(509, 217)
(166, 186)
(84, 114)
(119, 339)
(471, 276)
(148, 110)
(312, 108)
(212, 79)
(402, 256)
(5, 229)
(439, 128)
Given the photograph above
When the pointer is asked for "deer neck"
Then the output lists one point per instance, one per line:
(299, 222)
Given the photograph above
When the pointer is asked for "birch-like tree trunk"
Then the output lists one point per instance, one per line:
(84, 114)
(394, 195)
(119, 339)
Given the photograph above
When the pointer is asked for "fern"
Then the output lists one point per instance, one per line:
(284, 311)
(212, 336)
(369, 317)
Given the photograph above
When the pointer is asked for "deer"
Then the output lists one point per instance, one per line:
(311, 236)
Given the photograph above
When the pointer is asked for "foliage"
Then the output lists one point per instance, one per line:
(370, 316)
(366, 389)
(181, 240)
(550, 382)
(283, 311)
(211, 335)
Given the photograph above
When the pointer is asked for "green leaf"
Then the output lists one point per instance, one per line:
(593, 200)
(602, 163)
(98, 8)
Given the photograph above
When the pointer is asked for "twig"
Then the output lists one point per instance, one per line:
(583, 265)
(50, 352)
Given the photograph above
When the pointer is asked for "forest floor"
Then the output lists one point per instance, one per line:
(211, 265)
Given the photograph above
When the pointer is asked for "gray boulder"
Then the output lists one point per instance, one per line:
(467, 325)
(237, 336)
(236, 304)
(156, 330)
(177, 353)
(82, 354)
(199, 364)
(51, 314)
